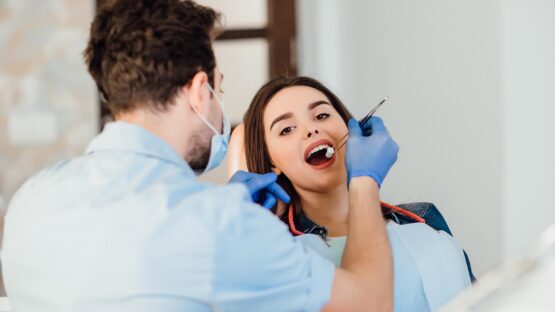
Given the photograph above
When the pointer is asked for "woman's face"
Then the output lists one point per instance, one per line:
(299, 124)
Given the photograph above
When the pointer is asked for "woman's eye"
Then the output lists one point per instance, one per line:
(322, 116)
(286, 130)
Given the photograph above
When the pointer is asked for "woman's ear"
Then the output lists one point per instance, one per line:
(197, 92)
(276, 170)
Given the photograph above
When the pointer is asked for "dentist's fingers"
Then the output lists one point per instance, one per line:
(370, 156)
(354, 128)
(269, 202)
(376, 125)
(240, 176)
(276, 190)
(260, 182)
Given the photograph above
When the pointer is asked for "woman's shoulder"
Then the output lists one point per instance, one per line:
(437, 256)
(433, 232)
(423, 233)
(427, 211)
(429, 239)
(434, 219)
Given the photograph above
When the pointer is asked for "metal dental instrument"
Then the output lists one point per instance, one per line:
(362, 121)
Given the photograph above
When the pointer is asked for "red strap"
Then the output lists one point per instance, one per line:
(390, 206)
(402, 211)
(292, 223)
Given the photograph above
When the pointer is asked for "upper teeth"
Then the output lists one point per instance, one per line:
(319, 148)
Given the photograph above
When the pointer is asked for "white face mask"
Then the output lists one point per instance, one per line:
(219, 142)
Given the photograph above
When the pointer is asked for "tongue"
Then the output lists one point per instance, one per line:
(318, 158)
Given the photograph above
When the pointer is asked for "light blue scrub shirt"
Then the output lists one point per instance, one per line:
(128, 227)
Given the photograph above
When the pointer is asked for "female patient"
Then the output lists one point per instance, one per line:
(288, 128)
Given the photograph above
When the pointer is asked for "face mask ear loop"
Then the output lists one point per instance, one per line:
(214, 94)
(202, 117)
(207, 123)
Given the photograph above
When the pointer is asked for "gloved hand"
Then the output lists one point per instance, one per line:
(263, 187)
(370, 156)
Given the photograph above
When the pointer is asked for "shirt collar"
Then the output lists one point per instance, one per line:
(128, 137)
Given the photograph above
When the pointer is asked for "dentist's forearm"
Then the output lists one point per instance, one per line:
(368, 252)
(365, 280)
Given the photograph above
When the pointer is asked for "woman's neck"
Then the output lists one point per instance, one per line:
(329, 209)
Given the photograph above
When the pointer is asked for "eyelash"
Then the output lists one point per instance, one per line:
(326, 116)
(283, 131)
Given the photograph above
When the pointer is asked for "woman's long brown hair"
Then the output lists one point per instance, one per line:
(256, 150)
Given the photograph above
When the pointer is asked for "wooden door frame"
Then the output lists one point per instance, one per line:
(280, 32)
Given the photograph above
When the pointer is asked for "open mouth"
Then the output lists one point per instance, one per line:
(319, 153)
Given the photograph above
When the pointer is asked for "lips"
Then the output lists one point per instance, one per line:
(314, 155)
(316, 144)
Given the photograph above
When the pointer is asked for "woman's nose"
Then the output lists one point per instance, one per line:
(309, 134)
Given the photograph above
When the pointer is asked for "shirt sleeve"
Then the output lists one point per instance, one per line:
(260, 266)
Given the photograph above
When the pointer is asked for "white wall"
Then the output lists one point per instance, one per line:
(529, 100)
(459, 77)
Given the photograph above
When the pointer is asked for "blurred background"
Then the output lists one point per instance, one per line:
(471, 86)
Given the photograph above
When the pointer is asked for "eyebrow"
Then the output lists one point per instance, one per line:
(280, 118)
(289, 114)
(316, 104)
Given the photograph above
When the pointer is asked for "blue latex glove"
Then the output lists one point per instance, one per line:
(263, 187)
(370, 156)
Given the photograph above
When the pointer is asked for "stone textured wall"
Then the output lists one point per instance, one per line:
(48, 102)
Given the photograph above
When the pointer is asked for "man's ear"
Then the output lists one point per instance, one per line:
(197, 92)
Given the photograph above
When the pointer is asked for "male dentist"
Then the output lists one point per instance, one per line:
(128, 227)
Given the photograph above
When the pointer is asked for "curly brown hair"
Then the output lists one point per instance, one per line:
(141, 52)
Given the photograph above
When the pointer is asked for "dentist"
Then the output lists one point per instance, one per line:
(128, 227)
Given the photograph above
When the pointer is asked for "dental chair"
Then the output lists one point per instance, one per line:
(236, 151)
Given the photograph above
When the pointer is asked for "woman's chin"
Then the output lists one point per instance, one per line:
(333, 170)
(323, 184)
(321, 181)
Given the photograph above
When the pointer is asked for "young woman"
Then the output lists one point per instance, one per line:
(288, 129)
